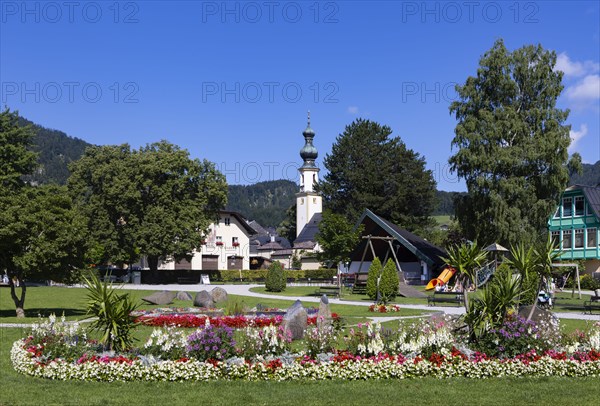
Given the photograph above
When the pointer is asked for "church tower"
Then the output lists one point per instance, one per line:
(308, 202)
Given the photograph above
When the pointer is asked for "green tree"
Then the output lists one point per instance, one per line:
(155, 201)
(16, 159)
(287, 228)
(511, 142)
(42, 236)
(337, 238)
(370, 169)
(275, 280)
(388, 286)
(373, 278)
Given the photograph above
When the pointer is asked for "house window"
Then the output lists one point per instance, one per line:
(235, 241)
(589, 209)
(557, 212)
(567, 210)
(579, 238)
(579, 206)
(566, 241)
(219, 240)
(591, 237)
(556, 238)
(227, 221)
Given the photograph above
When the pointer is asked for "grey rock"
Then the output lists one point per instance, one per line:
(184, 296)
(204, 299)
(160, 298)
(324, 315)
(295, 320)
(218, 295)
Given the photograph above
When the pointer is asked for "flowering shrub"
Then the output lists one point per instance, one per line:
(381, 308)
(51, 339)
(269, 340)
(515, 336)
(426, 337)
(320, 339)
(166, 343)
(366, 340)
(210, 343)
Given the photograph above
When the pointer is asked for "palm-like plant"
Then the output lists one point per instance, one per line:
(545, 256)
(465, 259)
(493, 304)
(112, 312)
(524, 261)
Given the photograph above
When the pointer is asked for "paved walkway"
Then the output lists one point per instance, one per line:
(244, 290)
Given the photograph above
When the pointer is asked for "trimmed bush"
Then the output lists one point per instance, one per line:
(388, 286)
(373, 275)
(275, 281)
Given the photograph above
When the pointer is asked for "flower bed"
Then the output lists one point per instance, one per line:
(211, 352)
(281, 369)
(199, 320)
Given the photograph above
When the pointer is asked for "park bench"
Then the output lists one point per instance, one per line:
(330, 291)
(445, 297)
(592, 304)
(360, 284)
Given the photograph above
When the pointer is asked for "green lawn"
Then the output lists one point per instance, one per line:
(442, 220)
(19, 389)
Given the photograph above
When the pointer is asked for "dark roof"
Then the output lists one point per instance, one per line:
(306, 238)
(592, 195)
(258, 228)
(421, 248)
(272, 246)
(261, 240)
(240, 220)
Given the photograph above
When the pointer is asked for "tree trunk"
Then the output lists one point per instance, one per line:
(153, 265)
(16, 281)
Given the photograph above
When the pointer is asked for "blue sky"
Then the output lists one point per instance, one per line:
(232, 82)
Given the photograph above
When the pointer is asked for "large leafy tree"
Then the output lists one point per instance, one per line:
(155, 201)
(369, 168)
(16, 159)
(337, 238)
(41, 234)
(511, 143)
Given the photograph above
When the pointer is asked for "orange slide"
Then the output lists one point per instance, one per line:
(442, 279)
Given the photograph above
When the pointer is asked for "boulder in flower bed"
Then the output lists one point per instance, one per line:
(295, 320)
(160, 298)
(204, 299)
(218, 295)
(184, 296)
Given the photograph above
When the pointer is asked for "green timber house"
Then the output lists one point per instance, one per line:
(575, 226)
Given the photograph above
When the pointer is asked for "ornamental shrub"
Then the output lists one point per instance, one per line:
(211, 342)
(374, 273)
(275, 281)
(515, 336)
(388, 286)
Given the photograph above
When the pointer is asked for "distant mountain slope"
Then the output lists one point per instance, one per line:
(56, 150)
(265, 202)
(590, 175)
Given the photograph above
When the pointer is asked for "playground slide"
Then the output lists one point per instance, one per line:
(442, 279)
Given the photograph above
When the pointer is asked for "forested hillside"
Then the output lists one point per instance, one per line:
(590, 175)
(265, 202)
(56, 150)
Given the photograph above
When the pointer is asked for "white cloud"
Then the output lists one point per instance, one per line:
(353, 110)
(576, 136)
(574, 68)
(587, 89)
